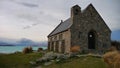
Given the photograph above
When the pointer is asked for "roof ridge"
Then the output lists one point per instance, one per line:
(56, 28)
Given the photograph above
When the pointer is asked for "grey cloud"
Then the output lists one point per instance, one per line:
(30, 26)
(29, 5)
(33, 14)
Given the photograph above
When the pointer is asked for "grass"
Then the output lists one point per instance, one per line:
(82, 62)
(18, 60)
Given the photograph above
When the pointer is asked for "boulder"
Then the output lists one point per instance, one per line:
(32, 62)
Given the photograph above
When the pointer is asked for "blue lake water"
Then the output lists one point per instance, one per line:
(12, 49)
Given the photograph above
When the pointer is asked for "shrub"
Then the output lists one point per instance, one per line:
(75, 49)
(112, 48)
(27, 50)
(40, 49)
(112, 59)
(30, 49)
(116, 44)
(117, 61)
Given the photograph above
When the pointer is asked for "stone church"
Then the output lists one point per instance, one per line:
(84, 28)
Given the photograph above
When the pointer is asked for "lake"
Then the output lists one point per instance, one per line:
(12, 49)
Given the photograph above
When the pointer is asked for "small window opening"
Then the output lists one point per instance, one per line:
(79, 34)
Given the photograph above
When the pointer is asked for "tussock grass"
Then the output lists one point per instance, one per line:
(112, 59)
(75, 49)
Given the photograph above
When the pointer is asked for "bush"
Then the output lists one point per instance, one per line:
(40, 49)
(75, 49)
(116, 44)
(112, 48)
(30, 49)
(112, 59)
(27, 50)
(117, 61)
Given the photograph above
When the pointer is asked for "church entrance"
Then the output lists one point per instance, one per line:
(91, 40)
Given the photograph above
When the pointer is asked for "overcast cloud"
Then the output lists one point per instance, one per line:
(35, 19)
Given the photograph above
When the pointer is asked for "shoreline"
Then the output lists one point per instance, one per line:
(3, 53)
(16, 49)
(6, 53)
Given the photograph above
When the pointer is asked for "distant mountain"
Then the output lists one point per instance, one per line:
(7, 41)
(5, 44)
(115, 35)
(25, 42)
(21, 42)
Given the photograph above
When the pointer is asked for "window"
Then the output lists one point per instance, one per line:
(52, 46)
(50, 38)
(76, 11)
(55, 38)
(60, 36)
(56, 46)
(63, 46)
(48, 45)
(79, 34)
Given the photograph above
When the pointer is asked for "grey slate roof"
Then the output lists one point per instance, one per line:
(62, 27)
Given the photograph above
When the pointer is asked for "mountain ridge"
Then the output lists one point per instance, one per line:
(21, 42)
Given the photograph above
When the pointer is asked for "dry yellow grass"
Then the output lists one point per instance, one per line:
(112, 59)
(75, 49)
(117, 61)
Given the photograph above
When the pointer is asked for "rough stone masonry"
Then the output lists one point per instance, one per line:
(84, 28)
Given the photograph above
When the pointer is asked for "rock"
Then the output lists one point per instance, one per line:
(62, 56)
(73, 54)
(39, 60)
(51, 55)
(81, 55)
(47, 63)
(32, 62)
(38, 67)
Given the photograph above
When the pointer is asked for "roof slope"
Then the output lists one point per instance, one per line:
(62, 27)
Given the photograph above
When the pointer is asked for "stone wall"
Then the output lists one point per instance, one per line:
(87, 21)
(61, 45)
(83, 22)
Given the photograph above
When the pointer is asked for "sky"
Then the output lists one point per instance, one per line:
(35, 19)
